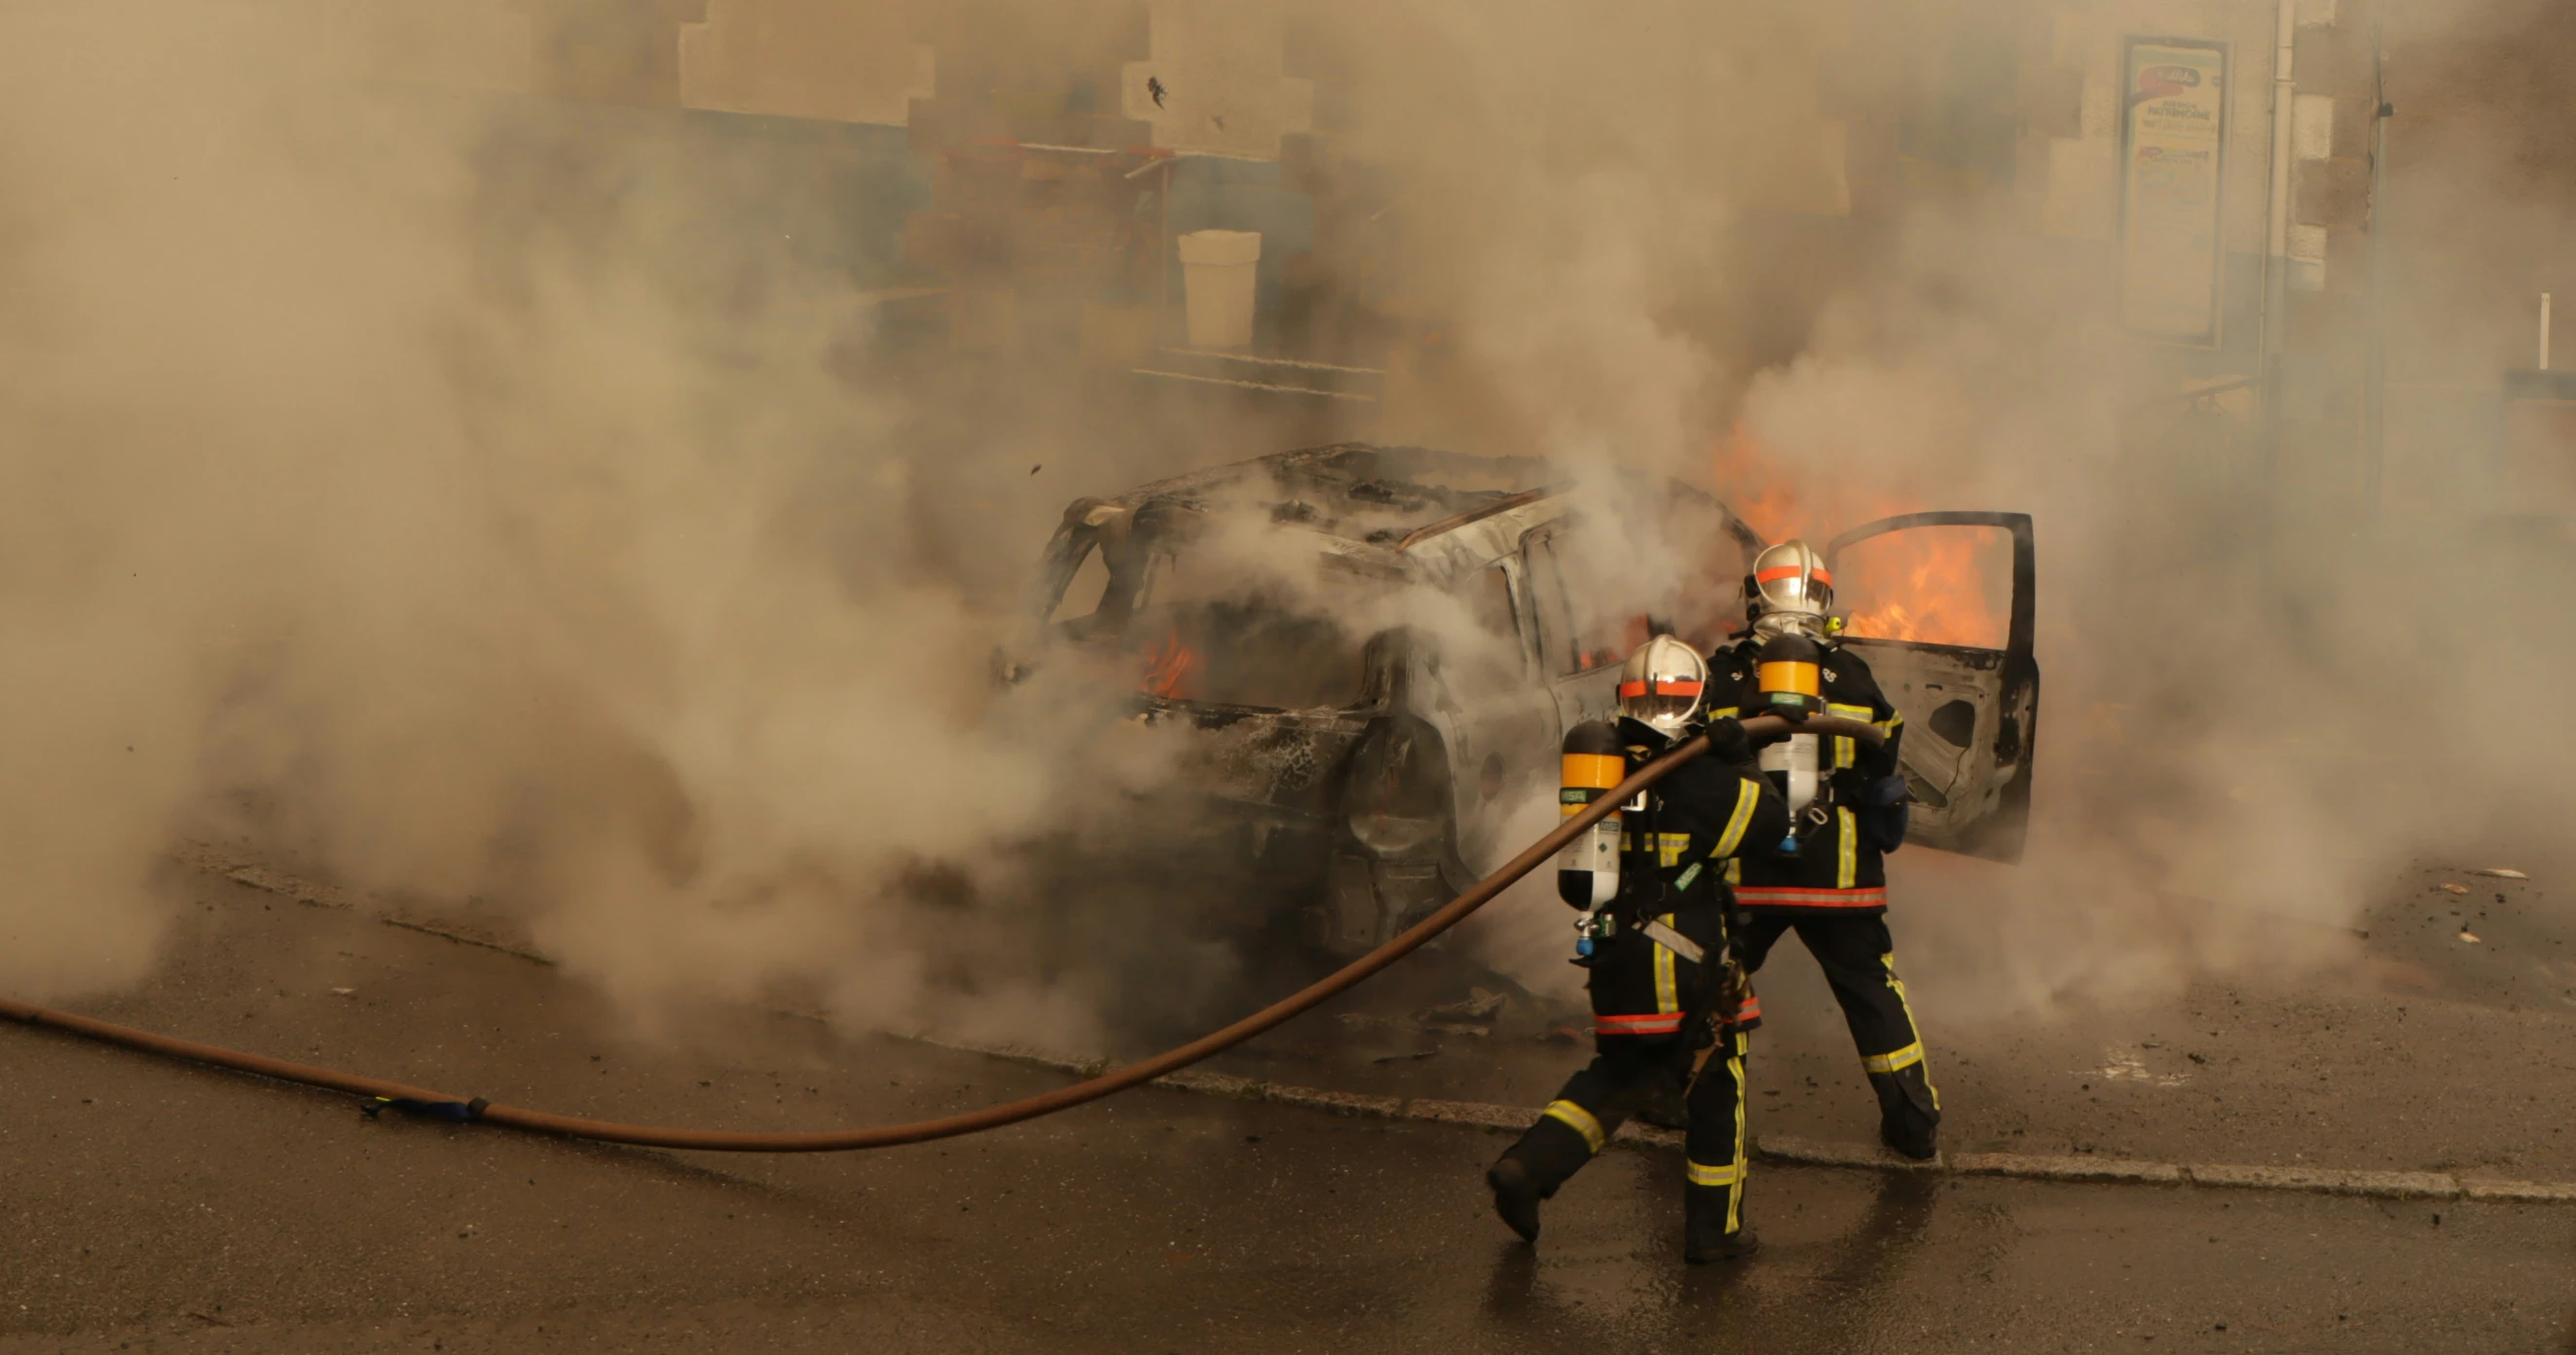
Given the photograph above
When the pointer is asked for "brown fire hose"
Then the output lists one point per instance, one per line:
(991, 1117)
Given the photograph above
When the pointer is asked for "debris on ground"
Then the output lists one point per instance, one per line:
(2117, 1064)
(1405, 1058)
(2449, 888)
(1473, 1014)
(2468, 936)
(1480, 1004)
(2500, 873)
(342, 992)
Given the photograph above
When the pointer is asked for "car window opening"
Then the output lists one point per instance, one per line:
(1929, 585)
(1195, 631)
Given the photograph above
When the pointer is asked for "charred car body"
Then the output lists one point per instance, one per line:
(1374, 652)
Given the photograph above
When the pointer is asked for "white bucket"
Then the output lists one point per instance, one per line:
(1218, 269)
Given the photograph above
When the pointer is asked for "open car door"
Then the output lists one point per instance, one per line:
(1971, 710)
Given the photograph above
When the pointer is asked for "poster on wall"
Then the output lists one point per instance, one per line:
(2173, 137)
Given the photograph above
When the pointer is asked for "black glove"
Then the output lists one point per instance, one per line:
(1727, 741)
(1883, 816)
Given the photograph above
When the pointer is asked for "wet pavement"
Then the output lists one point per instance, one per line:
(150, 1206)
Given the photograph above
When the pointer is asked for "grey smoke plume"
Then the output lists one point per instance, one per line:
(471, 544)
(461, 566)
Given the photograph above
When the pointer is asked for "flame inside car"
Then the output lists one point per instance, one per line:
(1170, 663)
(1929, 586)
(1949, 586)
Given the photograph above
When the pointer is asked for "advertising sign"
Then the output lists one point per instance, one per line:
(2173, 136)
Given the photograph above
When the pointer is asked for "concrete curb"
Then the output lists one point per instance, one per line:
(2384, 1185)
(214, 861)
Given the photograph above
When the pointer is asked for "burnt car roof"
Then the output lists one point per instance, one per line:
(1366, 505)
(1332, 489)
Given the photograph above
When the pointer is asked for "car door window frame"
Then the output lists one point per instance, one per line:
(1554, 607)
(1998, 832)
(2021, 630)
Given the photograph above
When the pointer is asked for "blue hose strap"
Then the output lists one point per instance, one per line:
(454, 1112)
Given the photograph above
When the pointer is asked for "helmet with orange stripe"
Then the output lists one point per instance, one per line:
(1664, 686)
(1789, 589)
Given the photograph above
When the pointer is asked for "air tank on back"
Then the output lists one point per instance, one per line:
(1587, 868)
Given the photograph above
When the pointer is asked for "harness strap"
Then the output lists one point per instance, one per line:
(1673, 941)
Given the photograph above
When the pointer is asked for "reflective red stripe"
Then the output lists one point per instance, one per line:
(1750, 1011)
(1874, 897)
(1674, 687)
(1659, 1023)
(1791, 572)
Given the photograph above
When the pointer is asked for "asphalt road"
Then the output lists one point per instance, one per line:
(151, 1206)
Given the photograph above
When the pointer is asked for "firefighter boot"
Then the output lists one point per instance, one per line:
(1734, 1246)
(1516, 1196)
(1909, 1112)
(1529, 1171)
(1705, 1239)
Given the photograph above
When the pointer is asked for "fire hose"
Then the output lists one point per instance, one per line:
(441, 1105)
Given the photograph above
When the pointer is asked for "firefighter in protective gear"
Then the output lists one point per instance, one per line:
(1846, 805)
(1659, 958)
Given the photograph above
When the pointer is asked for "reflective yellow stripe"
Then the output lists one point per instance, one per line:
(1734, 871)
(1578, 1119)
(1896, 985)
(1888, 1063)
(1701, 1174)
(1847, 874)
(1735, 1200)
(1668, 847)
(1667, 993)
(1745, 798)
(1845, 749)
(1724, 712)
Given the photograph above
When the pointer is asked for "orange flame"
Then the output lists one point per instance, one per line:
(1928, 586)
(1169, 666)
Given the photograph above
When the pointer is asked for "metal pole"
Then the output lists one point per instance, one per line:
(2374, 378)
(2276, 234)
(2276, 265)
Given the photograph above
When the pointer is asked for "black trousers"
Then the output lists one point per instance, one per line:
(1859, 960)
(1624, 1071)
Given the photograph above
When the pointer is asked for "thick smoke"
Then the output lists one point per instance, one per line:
(2241, 738)
(466, 566)
(408, 494)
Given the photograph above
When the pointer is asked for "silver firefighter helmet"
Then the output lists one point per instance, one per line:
(1789, 590)
(1664, 685)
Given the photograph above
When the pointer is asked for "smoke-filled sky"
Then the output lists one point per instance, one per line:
(373, 494)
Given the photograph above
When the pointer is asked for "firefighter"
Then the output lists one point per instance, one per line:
(1654, 939)
(1847, 809)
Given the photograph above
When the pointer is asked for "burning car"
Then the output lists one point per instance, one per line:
(1375, 651)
